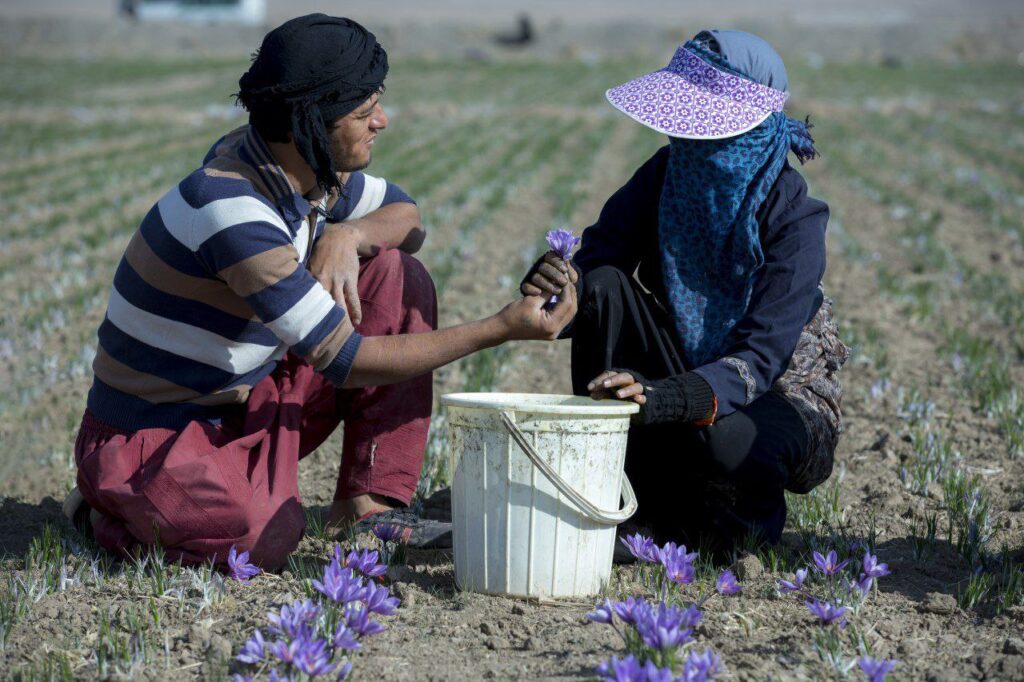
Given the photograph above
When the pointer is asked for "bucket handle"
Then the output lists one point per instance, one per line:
(589, 509)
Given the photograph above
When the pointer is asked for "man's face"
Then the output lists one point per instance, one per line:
(353, 134)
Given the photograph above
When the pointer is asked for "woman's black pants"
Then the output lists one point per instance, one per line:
(709, 487)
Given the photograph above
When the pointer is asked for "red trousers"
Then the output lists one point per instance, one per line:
(201, 489)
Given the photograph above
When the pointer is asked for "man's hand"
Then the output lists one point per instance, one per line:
(621, 385)
(550, 276)
(528, 319)
(335, 264)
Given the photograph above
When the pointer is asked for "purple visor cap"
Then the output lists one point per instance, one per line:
(694, 99)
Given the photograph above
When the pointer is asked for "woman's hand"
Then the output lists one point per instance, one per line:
(550, 274)
(614, 384)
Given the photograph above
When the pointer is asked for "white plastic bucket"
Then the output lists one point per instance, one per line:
(535, 491)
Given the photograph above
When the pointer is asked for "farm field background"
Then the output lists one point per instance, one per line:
(922, 167)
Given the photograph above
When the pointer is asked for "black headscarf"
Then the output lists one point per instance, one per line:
(321, 67)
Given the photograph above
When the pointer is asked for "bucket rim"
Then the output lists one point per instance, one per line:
(536, 403)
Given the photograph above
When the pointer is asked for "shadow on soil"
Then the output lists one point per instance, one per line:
(22, 521)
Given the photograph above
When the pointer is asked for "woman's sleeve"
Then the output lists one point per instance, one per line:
(620, 233)
(785, 298)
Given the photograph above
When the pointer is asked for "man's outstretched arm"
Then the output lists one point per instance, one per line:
(389, 359)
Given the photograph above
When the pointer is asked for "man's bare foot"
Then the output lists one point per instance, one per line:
(346, 512)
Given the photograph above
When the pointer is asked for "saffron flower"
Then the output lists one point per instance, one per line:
(379, 600)
(346, 638)
(641, 547)
(876, 669)
(603, 613)
(872, 568)
(795, 585)
(314, 658)
(239, 566)
(863, 585)
(357, 619)
(364, 562)
(726, 583)
(562, 242)
(678, 563)
(665, 627)
(701, 666)
(293, 622)
(826, 613)
(828, 564)
(340, 585)
(626, 670)
(391, 532)
(626, 609)
(254, 650)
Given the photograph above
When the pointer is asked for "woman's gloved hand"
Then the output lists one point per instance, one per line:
(682, 397)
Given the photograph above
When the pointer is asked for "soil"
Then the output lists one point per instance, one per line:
(442, 633)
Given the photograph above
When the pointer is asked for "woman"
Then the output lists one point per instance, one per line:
(725, 338)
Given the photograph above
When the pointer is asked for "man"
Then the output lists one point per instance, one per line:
(223, 358)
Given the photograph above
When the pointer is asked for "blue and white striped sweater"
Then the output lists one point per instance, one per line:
(213, 290)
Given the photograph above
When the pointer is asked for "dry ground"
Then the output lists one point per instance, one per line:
(922, 169)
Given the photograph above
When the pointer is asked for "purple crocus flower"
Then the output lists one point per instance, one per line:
(254, 650)
(626, 670)
(826, 613)
(239, 677)
(678, 563)
(391, 532)
(701, 666)
(314, 658)
(641, 547)
(286, 651)
(340, 585)
(876, 668)
(653, 673)
(726, 583)
(872, 568)
(863, 585)
(357, 619)
(603, 613)
(828, 564)
(346, 638)
(379, 600)
(344, 670)
(795, 585)
(364, 562)
(239, 566)
(665, 627)
(562, 242)
(626, 610)
(293, 620)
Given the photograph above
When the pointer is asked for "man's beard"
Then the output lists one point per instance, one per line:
(345, 163)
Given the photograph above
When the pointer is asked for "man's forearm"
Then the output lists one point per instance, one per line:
(395, 226)
(390, 359)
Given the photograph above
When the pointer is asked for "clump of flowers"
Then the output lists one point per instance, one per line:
(833, 590)
(658, 636)
(307, 639)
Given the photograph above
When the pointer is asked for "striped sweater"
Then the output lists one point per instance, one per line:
(212, 291)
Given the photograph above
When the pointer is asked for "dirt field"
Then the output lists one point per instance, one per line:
(922, 167)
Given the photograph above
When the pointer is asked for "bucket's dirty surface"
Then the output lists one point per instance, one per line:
(536, 488)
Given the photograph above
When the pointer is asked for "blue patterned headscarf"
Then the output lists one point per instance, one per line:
(707, 224)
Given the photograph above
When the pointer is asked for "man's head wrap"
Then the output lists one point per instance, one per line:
(319, 67)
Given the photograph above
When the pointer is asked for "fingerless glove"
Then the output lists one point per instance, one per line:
(682, 397)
